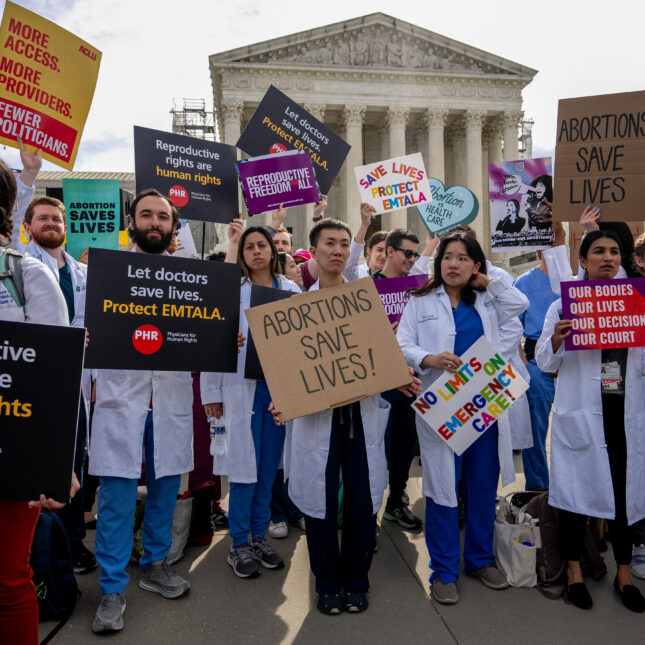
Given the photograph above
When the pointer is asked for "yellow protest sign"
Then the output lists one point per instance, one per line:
(47, 81)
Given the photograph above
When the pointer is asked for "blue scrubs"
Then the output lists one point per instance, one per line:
(478, 469)
(536, 287)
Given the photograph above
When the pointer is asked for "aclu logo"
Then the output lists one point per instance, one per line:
(178, 195)
(147, 339)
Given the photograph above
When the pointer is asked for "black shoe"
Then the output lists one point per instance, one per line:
(631, 597)
(403, 517)
(84, 560)
(330, 603)
(356, 601)
(90, 525)
(578, 594)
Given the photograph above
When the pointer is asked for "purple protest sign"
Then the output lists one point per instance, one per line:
(604, 313)
(392, 292)
(285, 178)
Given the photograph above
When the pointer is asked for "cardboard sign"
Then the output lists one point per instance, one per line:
(520, 194)
(460, 406)
(198, 176)
(394, 184)
(158, 312)
(260, 296)
(600, 157)
(338, 343)
(287, 178)
(280, 124)
(40, 388)
(450, 207)
(47, 81)
(394, 293)
(93, 214)
(605, 313)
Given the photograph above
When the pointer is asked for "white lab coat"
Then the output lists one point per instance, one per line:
(580, 477)
(237, 394)
(428, 327)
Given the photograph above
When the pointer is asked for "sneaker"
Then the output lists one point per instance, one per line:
(356, 601)
(490, 576)
(219, 518)
(265, 555)
(242, 559)
(164, 580)
(405, 498)
(446, 594)
(330, 603)
(301, 524)
(638, 561)
(403, 517)
(109, 615)
(84, 560)
(278, 530)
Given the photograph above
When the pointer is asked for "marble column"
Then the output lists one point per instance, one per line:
(353, 116)
(473, 121)
(459, 153)
(396, 118)
(435, 120)
(306, 222)
(511, 122)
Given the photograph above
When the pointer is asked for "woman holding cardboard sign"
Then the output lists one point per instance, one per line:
(440, 322)
(597, 444)
(253, 441)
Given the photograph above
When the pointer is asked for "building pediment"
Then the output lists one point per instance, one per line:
(375, 41)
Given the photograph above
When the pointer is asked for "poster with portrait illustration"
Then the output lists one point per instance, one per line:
(521, 194)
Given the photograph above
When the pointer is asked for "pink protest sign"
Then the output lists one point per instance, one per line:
(393, 293)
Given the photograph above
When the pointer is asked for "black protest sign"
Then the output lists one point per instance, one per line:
(600, 157)
(159, 312)
(198, 176)
(40, 387)
(259, 296)
(280, 124)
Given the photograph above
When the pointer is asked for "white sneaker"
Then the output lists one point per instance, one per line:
(638, 561)
(301, 524)
(278, 530)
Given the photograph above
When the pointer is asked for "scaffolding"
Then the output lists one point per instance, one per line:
(192, 118)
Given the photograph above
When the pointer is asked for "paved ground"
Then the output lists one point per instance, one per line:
(279, 607)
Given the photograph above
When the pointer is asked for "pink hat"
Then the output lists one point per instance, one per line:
(301, 253)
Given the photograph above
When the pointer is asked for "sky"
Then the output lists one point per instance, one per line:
(156, 50)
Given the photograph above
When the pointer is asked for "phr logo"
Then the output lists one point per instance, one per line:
(178, 195)
(147, 339)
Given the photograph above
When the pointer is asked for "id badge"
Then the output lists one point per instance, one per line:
(610, 376)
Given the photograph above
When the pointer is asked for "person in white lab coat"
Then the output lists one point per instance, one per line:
(440, 322)
(123, 400)
(350, 440)
(597, 445)
(254, 441)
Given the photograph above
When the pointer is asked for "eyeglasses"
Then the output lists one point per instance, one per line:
(408, 253)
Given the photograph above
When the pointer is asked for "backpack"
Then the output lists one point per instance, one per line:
(53, 566)
(550, 563)
(11, 274)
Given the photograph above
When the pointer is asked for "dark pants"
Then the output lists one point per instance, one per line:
(282, 508)
(345, 567)
(400, 445)
(572, 525)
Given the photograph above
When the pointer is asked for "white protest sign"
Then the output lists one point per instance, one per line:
(460, 406)
(185, 242)
(393, 184)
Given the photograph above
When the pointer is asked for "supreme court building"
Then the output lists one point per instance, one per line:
(389, 88)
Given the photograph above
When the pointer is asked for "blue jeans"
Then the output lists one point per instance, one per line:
(249, 508)
(115, 521)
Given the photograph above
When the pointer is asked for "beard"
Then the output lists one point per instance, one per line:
(48, 239)
(159, 245)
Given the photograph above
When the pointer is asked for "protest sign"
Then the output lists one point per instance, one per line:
(40, 387)
(185, 242)
(259, 296)
(280, 124)
(520, 194)
(93, 214)
(286, 178)
(460, 406)
(600, 157)
(605, 313)
(338, 343)
(394, 183)
(450, 207)
(198, 176)
(47, 81)
(393, 293)
(158, 312)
